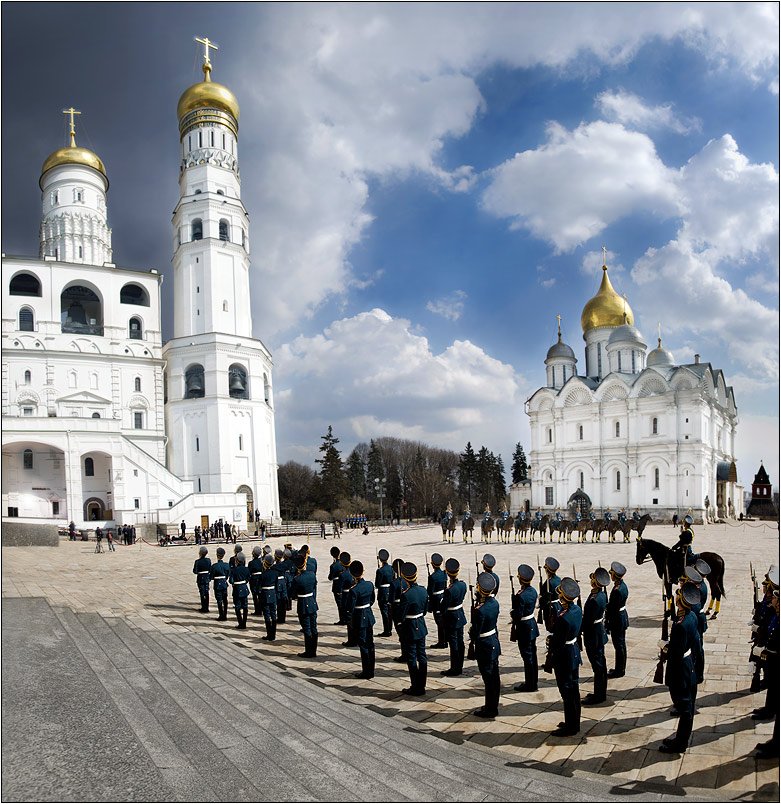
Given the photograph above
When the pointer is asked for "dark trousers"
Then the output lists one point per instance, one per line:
(309, 627)
(528, 650)
(454, 636)
(772, 676)
(595, 650)
(270, 618)
(489, 670)
(440, 633)
(683, 696)
(221, 596)
(569, 689)
(383, 604)
(365, 639)
(414, 651)
(240, 604)
(618, 638)
(282, 608)
(203, 591)
(256, 601)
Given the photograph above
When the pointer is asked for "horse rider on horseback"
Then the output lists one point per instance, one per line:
(622, 517)
(467, 514)
(636, 515)
(592, 515)
(538, 516)
(608, 516)
(487, 513)
(683, 545)
(557, 516)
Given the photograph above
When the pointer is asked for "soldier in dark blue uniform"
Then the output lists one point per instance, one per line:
(594, 635)
(237, 548)
(617, 620)
(239, 579)
(255, 568)
(437, 582)
(304, 591)
(483, 633)
(311, 561)
(680, 675)
(769, 655)
(346, 584)
(412, 630)
(268, 596)
(363, 598)
(398, 585)
(382, 582)
(692, 575)
(282, 585)
(566, 656)
(683, 547)
(549, 592)
(202, 569)
(489, 562)
(335, 576)
(453, 618)
(219, 574)
(524, 602)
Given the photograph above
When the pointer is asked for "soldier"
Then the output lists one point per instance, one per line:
(566, 656)
(398, 586)
(437, 582)
(236, 551)
(489, 562)
(636, 515)
(608, 516)
(453, 618)
(311, 561)
(412, 630)
(548, 592)
(524, 601)
(334, 575)
(268, 597)
(202, 570)
(682, 547)
(594, 636)
(617, 620)
(346, 584)
(767, 652)
(282, 585)
(255, 568)
(219, 574)
(680, 675)
(363, 619)
(486, 640)
(304, 591)
(763, 612)
(382, 582)
(239, 578)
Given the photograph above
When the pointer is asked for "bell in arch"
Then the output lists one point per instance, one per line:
(76, 314)
(236, 383)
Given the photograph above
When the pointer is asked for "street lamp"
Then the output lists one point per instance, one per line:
(379, 490)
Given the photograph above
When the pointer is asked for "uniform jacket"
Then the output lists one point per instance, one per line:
(437, 582)
(311, 564)
(454, 596)
(564, 639)
(616, 618)
(255, 568)
(683, 653)
(363, 598)
(283, 579)
(304, 591)
(413, 604)
(594, 633)
(202, 569)
(522, 614)
(335, 574)
(484, 618)
(219, 574)
(268, 587)
(237, 575)
(382, 582)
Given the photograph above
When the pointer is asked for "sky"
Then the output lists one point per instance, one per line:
(429, 185)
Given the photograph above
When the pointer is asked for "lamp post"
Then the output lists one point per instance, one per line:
(379, 490)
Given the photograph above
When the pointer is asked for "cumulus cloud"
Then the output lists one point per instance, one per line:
(593, 260)
(450, 307)
(579, 182)
(628, 109)
(376, 376)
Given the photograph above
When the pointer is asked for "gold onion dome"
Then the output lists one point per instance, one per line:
(207, 94)
(73, 155)
(607, 308)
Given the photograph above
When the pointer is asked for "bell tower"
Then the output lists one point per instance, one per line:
(219, 405)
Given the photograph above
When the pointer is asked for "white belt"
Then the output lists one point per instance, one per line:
(455, 608)
(488, 633)
(571, 641)
(623, 608)
(384, 586)
(440, 592)
(413, 616)
(688, 653)
(219, 577)
(268, 588)
(600, 621)
(527, 617)
(203, 572)
(771, 651)
(364, 606)
(308, 594)
(256, 573)
(238, 583)
(398, 600)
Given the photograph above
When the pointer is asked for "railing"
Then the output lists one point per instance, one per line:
(75, 328)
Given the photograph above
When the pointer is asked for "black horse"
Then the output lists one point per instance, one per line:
(669, 567)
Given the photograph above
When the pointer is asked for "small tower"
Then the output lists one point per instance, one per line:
(560, 362)
(659, 357)
(626, 349)
(762, 505)
(74, 185)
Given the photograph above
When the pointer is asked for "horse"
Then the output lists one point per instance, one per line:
(467, 526)
(448, 527)
(558, 526)
(582, 528)
(504, 527)
(521, 527)
(612, 526)
(541, 527)
(487, 528)
(596, 527)
(639, 525)
(669, 567)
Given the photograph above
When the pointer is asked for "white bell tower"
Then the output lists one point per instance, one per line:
(219, 408)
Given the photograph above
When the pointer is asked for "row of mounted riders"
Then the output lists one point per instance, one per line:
(520, 527)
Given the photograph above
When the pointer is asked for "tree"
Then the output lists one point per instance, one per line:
(333, 483)
(374, 469)
(498, 482)
(356, 475)
(467, 474)
(296, 490)
(520, 469)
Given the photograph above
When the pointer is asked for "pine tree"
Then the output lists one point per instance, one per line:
(356, 475)
(374, 469)
(520, 469)
(333, 483)
(467, 474)
(498, 482)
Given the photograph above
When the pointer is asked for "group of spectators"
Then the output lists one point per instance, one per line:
(127, 533)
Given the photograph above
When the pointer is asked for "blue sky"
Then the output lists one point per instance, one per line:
(429, 185)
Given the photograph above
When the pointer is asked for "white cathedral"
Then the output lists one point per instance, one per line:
(633, 430)
(102, 422)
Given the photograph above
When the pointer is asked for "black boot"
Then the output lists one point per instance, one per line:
(420, 680)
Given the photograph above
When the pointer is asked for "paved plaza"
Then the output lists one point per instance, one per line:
(150, 592)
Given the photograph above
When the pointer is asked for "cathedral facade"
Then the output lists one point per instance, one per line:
(633, 429)
(102, 422)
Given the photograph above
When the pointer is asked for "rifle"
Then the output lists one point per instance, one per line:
(754, 582)
(540, 613)
(377, 556)
(659, 674)
(756, 678)
(470, 654)
(428, 568)
(580, 605)
(477, 565)
(513, 626)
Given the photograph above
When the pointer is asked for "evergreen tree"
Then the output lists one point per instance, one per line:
(467, 474)
(498, 482)
(374, 469)
(333, 483)
(356, 475)
(520, 470)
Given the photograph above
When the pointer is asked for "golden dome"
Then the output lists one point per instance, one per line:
(606, 309)
(73, 155)
(207, 95)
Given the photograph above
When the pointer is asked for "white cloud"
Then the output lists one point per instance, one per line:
(579, 182)
(757, 441)
(450, 307)
(593, 260)
(370, 375)
(628, 109)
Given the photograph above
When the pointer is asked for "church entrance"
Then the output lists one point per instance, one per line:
(580, 503)
(94, 510)
(250, 502)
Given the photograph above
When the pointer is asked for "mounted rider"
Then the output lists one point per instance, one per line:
(622, 517)
(607, 516)
(467, 514)
(557, 517)
(636, 515)
(592, 515)
(538, 516)
(505, 514)
(683, 545)
(487, 513)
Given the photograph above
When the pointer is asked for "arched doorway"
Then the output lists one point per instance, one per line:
(250, 502)
(579, 502)
(94, 510)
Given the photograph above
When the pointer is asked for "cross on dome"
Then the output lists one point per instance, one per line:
(207, 65)
(72, 112)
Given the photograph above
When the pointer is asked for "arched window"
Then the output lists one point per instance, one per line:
(221, 192)
(89, 467)
(134, 330)
(26, 320)
(618, 480)
(580, 435)
(93, 381)
(81, 311)
(618, 429)
(137, 385)
(28, 377)
(96, 415)
(25, 285)
(550, 435)
(656, 477)
(134, 294)
(225, 307)
(194, 382)
(224, 229)
(72, 379)
(654, 426)
(581, 480)
(27, 459)
(237, 382)
(266, 390)
(196, 229)
(619, 361)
